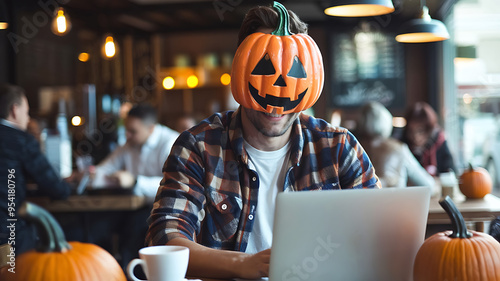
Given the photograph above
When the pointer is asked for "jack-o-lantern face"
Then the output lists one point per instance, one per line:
(265, 67)
(277, 73)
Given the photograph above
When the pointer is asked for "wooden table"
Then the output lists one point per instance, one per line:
(476, 211)
(236, 279)
(94, 203)
(81, 207)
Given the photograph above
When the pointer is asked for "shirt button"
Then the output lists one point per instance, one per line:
(254, 179)
(250, 217)
(224, 207)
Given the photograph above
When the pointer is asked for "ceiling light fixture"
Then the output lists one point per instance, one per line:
(61, 24)
(359, 8)
(423, 30)
(109, 47)
(4, 23)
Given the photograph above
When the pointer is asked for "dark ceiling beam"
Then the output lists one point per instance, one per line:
(121, 16)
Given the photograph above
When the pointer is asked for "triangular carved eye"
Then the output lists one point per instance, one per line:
(264, 67)
(297, 70)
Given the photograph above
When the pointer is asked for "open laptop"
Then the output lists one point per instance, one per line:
(354, 235)
(82, 185)
(86, 187)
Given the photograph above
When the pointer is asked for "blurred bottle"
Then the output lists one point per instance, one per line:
(57, 144)
(66, 164)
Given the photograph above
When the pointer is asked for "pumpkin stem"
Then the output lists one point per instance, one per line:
(471, 168)
(457, 220)
(52, 237)
(283, 28)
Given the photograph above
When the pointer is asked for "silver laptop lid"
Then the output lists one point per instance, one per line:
(348, 234)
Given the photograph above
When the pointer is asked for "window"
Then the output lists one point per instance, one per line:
(477, 78)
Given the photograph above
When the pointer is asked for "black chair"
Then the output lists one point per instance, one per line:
(495, 229)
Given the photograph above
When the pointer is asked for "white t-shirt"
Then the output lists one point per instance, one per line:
(271, 168)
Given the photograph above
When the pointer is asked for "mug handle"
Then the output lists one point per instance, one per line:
(130, 268)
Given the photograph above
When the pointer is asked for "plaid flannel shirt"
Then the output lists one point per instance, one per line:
(209, 194)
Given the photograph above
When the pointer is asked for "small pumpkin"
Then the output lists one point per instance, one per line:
(56, 260)
(475, 183)
(279, 72)
(458, 255)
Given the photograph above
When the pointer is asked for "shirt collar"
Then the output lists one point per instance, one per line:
(9, 124)
(154, 138)
(235, 132)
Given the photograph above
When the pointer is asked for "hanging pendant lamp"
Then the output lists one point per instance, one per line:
(109, 48)
(61, 23)
(423, 30)
(4, 23)
(359, 8)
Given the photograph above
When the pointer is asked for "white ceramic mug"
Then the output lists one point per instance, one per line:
(161, 263)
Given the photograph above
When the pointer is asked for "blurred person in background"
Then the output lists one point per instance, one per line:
(393, 161)
(136, 165)
(21, 160)
(184, 123)
(34, 129)
(426, 139)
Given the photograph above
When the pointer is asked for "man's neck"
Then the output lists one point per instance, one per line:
(260, 141)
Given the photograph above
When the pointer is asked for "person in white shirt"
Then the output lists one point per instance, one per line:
(138, 164)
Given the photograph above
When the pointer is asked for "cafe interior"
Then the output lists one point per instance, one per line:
(178, 55)
(84, 63)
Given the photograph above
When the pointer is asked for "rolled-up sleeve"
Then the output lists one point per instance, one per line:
(355, 167)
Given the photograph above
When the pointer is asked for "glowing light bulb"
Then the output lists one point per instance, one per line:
(109, 47)
(225, 79)
(467, 98)
(83, 57)
(61, 24)
(398, 122)
(192, 81)
(168, 83)
(76, 121)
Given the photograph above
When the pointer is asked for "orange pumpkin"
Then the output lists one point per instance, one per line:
(57, 260)
(475, 182)
(278, 72)
(458, 255)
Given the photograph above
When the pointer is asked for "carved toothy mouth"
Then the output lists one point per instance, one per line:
(286, 103)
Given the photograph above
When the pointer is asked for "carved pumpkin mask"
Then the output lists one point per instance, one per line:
(278, 73)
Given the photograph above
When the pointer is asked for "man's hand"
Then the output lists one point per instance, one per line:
(224, 264)
(123, 179)
(75, 177)
(255, 266)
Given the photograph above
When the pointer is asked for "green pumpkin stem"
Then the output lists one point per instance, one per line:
(471, 168)
(457, 220)
(52, 237)
(283, 28)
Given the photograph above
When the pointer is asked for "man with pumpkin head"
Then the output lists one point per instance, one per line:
(221, 179)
